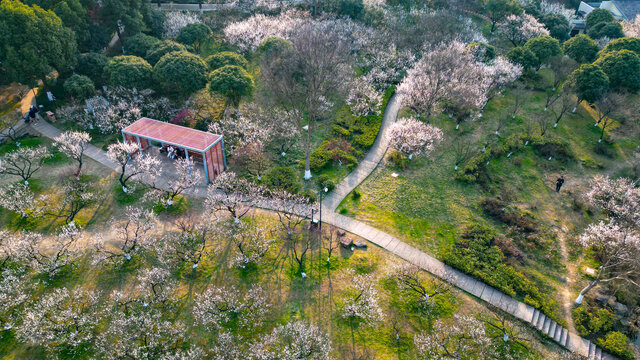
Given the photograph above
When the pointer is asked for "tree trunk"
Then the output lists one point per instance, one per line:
(307, 155)
(586, 290)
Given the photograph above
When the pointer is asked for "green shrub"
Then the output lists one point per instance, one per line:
(181, 72)
(356, 195)
(581, 48)
(617, 343)
(139, 44)
(79, 86)
(590, 321)
(398, 159)
(224, 58)
(339, 130)
(162, 48)
(129, 71)
(625, 43)
(92, 65)
(623, 69)
(320, 158)
(554, 147)
(283, 177)
(477, 254)
(232, 82)
(598, 16)
(194, 35)
(499, 210)
(612, 30)
(324, 181)
(273, 46)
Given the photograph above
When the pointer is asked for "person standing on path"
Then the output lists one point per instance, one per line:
(559, 183)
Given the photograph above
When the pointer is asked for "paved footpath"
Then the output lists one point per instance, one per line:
(520, 310)
(371, 160)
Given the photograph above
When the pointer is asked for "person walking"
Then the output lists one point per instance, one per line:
(33, 110)
(559, 183)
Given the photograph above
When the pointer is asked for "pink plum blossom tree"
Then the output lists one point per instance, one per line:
(413, 137)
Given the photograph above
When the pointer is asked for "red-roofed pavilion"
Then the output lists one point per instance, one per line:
(197, 145)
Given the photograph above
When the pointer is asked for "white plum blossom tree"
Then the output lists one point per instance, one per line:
(219, 306)
(233, 195)
(449, 75)
(618, 250)
(631, 28)
(48, 255)
(155, 286)
(190, 244)
(520, 28)
(176, 20)
(294, 341)
(463, 337)
(15, 290)
(133, 166)
(363, 99)
(132, 235)
(143, 334)
(250, 242)
(23, 162)
(183, 177)
(413, 284)
(498, 73)
(619, 199)
(73, 144)
(361, 301)
(413, 137)
(61, 318)
(19, 198)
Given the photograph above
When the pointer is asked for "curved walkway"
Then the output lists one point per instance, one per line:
(520, 310)
(370, 161)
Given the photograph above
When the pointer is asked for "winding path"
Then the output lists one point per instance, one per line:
(520, 310)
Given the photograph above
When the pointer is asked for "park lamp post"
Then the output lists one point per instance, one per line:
(320, 193)
(325, 190)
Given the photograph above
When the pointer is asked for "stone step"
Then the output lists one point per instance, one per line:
(552, 329)
(534, 319)
(592, 351)
(540, 322)
(564, 339)
(557, 337)
(598, 353)
(547, 324)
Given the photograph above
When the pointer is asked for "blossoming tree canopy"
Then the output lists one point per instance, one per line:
(413, 137)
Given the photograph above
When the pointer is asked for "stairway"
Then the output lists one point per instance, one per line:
(561, 335)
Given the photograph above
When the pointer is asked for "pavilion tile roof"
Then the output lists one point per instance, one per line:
(172, 134)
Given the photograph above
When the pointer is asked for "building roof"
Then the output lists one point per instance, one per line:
(172, 134)
(628, 8)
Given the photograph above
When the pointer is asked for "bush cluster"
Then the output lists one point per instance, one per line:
(333, 151)
(476, 168)
(499, 210)
(477, 254)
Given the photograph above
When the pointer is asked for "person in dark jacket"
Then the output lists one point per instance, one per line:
(559, 183)
(33, 110)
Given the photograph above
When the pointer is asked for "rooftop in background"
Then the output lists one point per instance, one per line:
(621, 9)
(172, 134)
